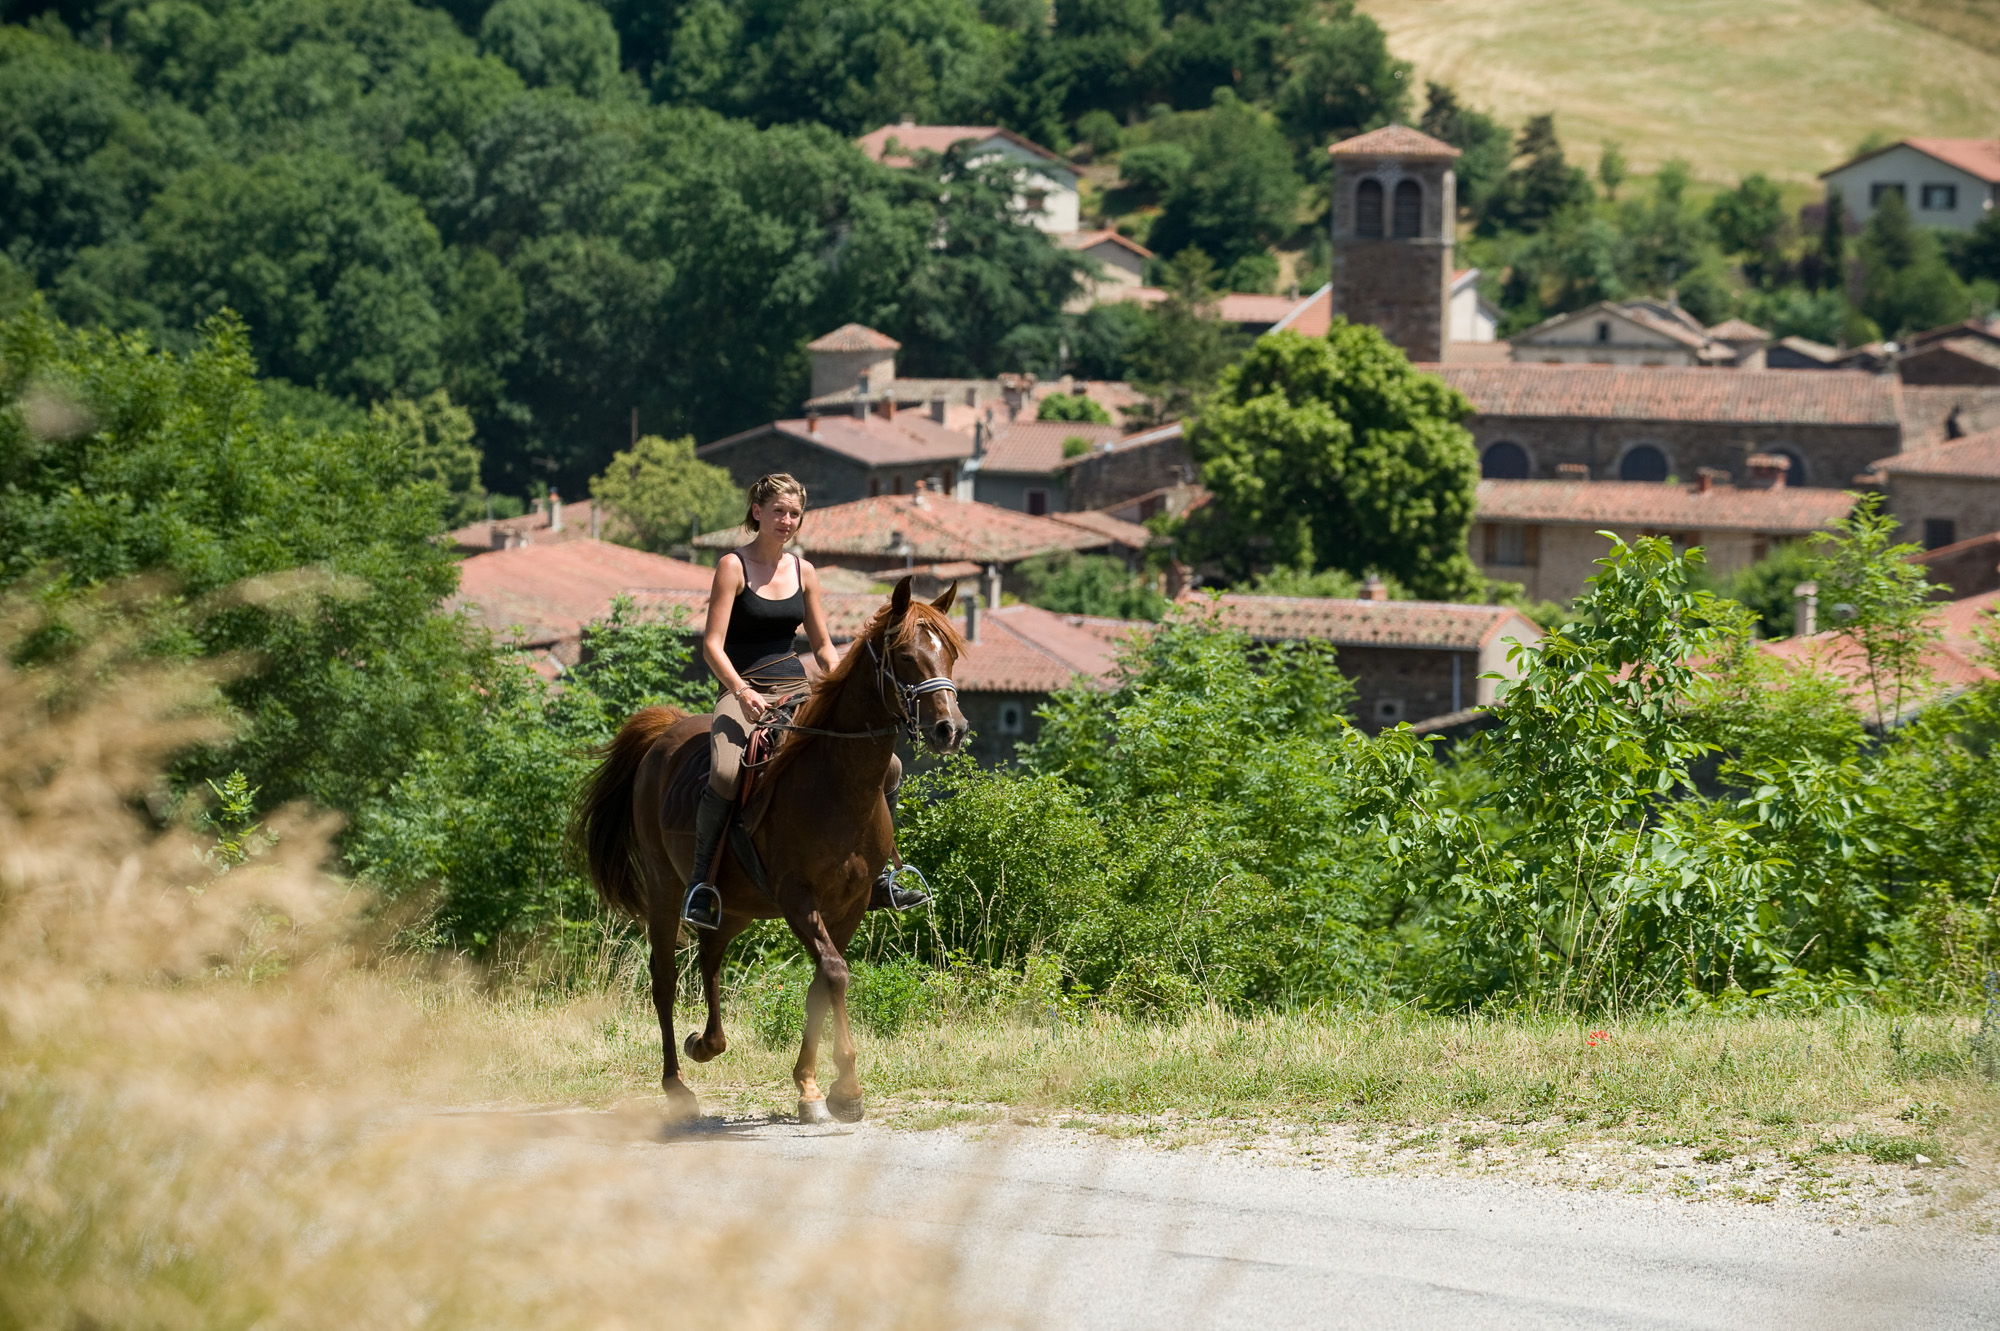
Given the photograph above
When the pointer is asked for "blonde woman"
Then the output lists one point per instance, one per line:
(760, 597)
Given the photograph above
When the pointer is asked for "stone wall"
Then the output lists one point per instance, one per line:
(1397, 684)
(1567, 556)
(1401, 285)
(1833, 454)
(1100, 480)
(1971, 506)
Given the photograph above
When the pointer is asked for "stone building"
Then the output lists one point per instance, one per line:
(1395, 211)
(1946, 493)
(1544, 534)
(841, 458)
(1630, 423)
(1150, 462)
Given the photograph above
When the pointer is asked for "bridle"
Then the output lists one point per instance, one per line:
(887, 684)
(907, 694)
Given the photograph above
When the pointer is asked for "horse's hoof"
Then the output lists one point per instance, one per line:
(813, 1113)
(848, 1109)
(681, 1102)
(696, 1048)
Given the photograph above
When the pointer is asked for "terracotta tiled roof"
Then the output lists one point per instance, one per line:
(854, 337)
(1394, 141)
(1035, 448)
(1025, 649)
(1128, 534)
(846, 612)
(1313, 315)
(1810, 349)
(871, 440)
(1245, 307)
(938, 528)
(1438, 624)
(1975, 457)
(1738, 330)
(1954, 660)
(1142, 439)
(551, 591)
(1663, 507)
(1666, 327)
(1987, 330)
(1675, 393)
(1978, 157)
(1083, 240)
(937, 139)
(527, 529)
(1976, 349)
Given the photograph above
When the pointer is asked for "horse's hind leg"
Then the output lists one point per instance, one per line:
(714, 943)
(681, 1102)
(827, 990)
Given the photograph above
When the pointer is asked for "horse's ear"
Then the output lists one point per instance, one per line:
(899, 602)
(946, 597)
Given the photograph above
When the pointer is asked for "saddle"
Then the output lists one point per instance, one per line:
(753, 795)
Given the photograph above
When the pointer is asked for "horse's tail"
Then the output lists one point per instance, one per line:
(601, 830)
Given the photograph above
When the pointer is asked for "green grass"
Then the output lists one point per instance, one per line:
(1787, 87)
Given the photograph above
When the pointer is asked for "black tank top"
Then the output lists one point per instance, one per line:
(758, 641)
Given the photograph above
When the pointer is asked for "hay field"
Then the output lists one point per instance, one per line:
(1786, 87)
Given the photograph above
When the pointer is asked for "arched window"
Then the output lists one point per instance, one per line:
(1504, 461)
(1368, 209)
(1644, 463)
(1409, 208)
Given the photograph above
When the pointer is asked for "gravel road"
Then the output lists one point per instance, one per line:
(1085, 1233)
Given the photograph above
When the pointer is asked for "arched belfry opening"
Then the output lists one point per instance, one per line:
(1394, 210)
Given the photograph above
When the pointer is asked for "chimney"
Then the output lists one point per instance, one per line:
(812, 422)
(992, 586)
(979, 439)
(1375, 589)
(555, 511)
(1572, 471)
(1767, 470)
(937, 410)
(972, 618)
(1805, 609)
(886, 409)
(596, 519)
(861, 397)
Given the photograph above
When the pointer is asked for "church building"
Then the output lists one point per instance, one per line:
(1395, 208)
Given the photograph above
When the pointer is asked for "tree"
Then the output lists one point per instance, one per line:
(1611, 169)
(1342, 82)
(437, 436)
(1483, 142)
(1747, 219)
(1833, 245)
(1881, 601)
(1239, 193)
(1073, 584)
(1334, 452)
(657, 491)
(554, 43)
(306, 556)
(1064, 407)
(1539, 185)
(1668, 239)
(1908, 285)
(1184, 346)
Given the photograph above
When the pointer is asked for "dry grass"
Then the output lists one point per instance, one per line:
(1787, 87)
(217, 1103)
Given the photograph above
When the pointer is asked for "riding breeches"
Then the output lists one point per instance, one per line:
(729, 737)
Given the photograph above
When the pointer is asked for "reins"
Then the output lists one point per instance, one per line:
(907, 696)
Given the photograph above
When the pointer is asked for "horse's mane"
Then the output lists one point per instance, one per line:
(817, 710)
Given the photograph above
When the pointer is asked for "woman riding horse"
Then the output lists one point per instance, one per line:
(756, 604)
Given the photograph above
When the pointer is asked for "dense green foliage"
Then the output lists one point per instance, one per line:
(1334, 452)
(657, 493)
(1074, 584)
(305, 554)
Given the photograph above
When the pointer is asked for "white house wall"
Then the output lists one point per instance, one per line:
(1905, 166)
(1061, 209)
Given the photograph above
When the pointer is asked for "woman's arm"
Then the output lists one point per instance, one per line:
(817, 637)
(721, 598)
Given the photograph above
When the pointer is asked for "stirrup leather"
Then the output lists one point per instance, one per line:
(702, 907)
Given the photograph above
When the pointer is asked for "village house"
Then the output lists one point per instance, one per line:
(841, 458)
(1633, 423)
(1944, 493)
(540, 596)
(1121, 265)
(549, 522)
(1954, 662)
(1544, 534)
(1946, 183)
(1639, 332)
(1147, 465)
(1047, 183)
(1020, 465)
(1967, 568)
(1965, 353)
(1409, 660)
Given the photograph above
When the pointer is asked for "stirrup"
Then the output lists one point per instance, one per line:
(702, 907)
(900, 887)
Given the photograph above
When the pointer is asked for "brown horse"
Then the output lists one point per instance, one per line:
(822, 838)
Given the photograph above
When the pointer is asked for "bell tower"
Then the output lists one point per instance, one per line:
(1395, 209)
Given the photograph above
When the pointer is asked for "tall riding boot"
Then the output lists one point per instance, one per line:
(899, 886)
(703, 905)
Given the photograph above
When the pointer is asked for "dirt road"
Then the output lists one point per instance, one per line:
(1049, 1230)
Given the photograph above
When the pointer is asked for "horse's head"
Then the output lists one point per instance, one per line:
(919, 648)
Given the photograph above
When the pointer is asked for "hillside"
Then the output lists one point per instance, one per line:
(1787, 87)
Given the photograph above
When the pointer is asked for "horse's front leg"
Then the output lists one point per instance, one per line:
(681, 1102)
(714, 944)
(828, 990)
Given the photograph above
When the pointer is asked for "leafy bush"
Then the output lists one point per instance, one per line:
(1075, 584)
(1067, 407)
